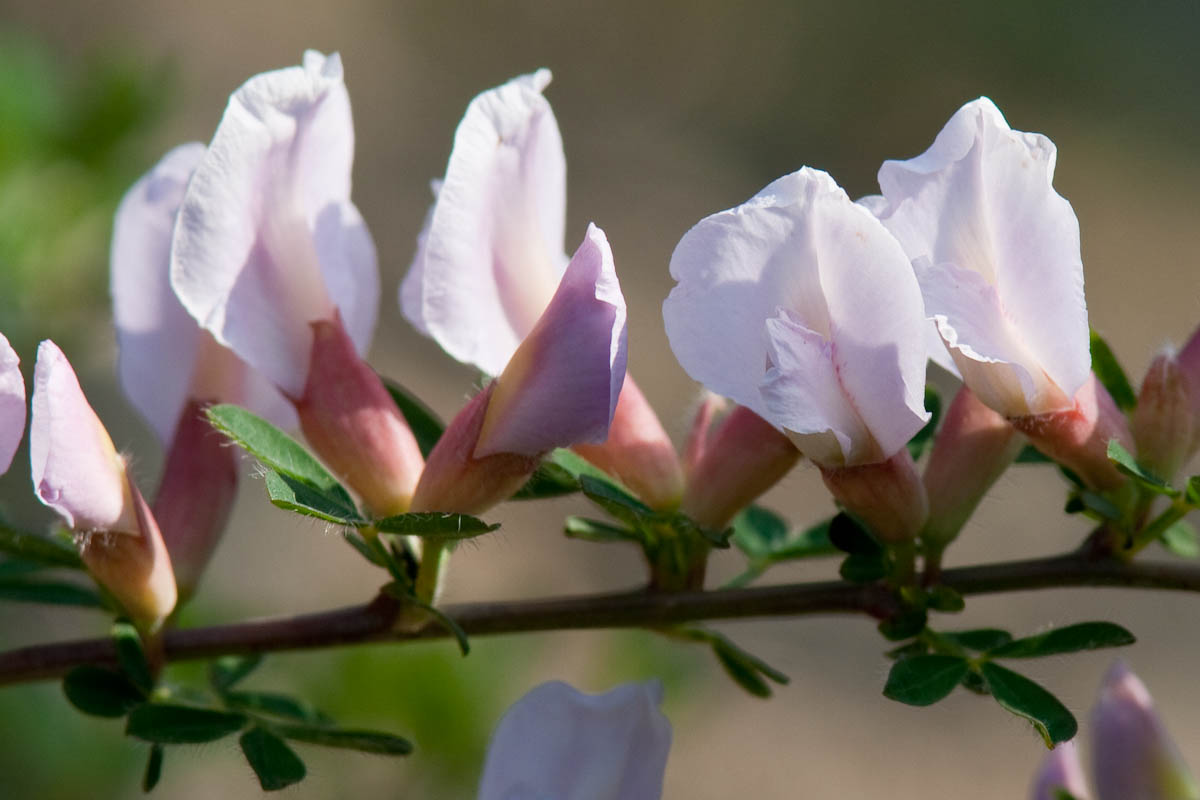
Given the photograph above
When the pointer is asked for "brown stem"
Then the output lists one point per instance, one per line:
(375, 621)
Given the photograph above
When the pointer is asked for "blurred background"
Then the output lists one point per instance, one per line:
(669, 112)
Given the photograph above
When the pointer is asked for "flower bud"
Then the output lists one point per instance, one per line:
(352, 422)
(1078, 438)
(973, 448)
(887, 496)
(77, 472)
(1165, 421)
(196, 495)
(638, 451)
(12, 404)
(1061, 771)
(1133, 756)
(745, 457)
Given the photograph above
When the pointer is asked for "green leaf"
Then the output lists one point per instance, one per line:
(426, 426)
(913, 648)
(1031, 455)
(292, 495)
(758, 531)
(363, 741)
(978, 639)
(863, 567)
(1111, 376)
(809, 543)
(1193, 490)
(1071, 639)
(131, 656)
(614, 500)
(276, 705)
(435, 523)
(226, 671)
(848, 536)
(974, 682)
(548, 480)
(101, 692)
(578, 466)
(923, 680)
(365, 549)
(57, 593)
(746, 669)
(42, 549)
(596, 531)
(166, 723)
(1181, 539)
(904, 625)
(945, 599)
(920, 441)
(1094, 504)
(275, 764)
(154, 767)
(1025, 698)
(276, 449)
(1125, 463)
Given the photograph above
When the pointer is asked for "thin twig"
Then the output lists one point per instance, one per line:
(377, 620)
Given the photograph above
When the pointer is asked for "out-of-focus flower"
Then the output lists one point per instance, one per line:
(171, 369)
(78, 473)
(559, 388)
(12, 403)
(491, 256)
(996, 251)
(973, 448)
(800, 306)
(272, 258)
(1061, 771)
(556, 742)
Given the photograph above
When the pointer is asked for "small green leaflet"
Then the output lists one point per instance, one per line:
(276, 765)
(363, 741)
(922, 680)
(167, 723)
(50, 551)
(1023, 697)
(1125, 462)
(226, 671)
(50, 592)
(293, 495)
(548, 480)
(1071, 639)
(131, 656)
(154, 766)
(1108, 371)
(101, 692)
(435, 523)
(1181, 539)
(923, 438)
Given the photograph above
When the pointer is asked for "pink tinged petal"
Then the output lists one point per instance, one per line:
(698, 441)
(562, 384)
(973, 448)
(746, 457)
(267, 240)
(76, 469)
(887, 496)
(12, 404)
(157, 339)
(353, 424)
(133, 565)
(456, 480)
(1078, 438)
(556, 742)
(491, 252)
(981, 200)
(638, 451)
(802, 275)
(1060, 771)
(164, 356)
(1133, 756)
(196, 495)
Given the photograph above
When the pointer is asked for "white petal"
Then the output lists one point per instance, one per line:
(76, 469)
(981, 199)
(800, 245)
(492, 253)
(556, 742)
(987, 350)
(267, 218)
(12, 403)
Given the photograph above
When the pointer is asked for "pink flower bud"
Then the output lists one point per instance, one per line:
(745, 457)
(638, 451)
(456, 480)
(1165, 421)
(1061, 771)
(352, 422)
(196, 494)
(77, 472)
(1133, 756)
(12, 404)
(973, 448)
(888, 496)
(1078, 438)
